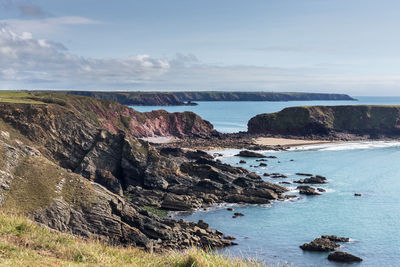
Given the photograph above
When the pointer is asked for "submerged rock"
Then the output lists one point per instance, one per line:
(340, 256)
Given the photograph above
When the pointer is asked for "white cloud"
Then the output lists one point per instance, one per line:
(26, 59)
(34, 63)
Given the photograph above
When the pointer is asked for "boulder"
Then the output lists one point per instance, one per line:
(307, 190)
(335, 238)
(340, 256)
(250, 154)
(320, 244)
(313, 180)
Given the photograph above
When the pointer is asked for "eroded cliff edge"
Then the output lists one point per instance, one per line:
(363, 120)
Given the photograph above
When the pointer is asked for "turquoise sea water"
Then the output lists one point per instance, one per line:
(273, 233)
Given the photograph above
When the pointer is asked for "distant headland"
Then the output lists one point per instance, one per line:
(190, 97)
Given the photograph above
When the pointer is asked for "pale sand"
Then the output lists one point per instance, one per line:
(268, 141)
(160, 139)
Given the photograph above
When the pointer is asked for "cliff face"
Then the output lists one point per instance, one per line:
(107, 114)
(328, 120)
(75, 165)
(182, 98)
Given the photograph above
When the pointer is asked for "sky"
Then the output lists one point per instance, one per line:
(341, 46)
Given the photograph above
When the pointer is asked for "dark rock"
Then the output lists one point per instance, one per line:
(261, 160)
(357, 195)
(175, 202)
(266, 174)
(307, 190)
(242, 162)
(336, 238)
(229, 209)
(277, 175)
(320, 244)
(250, 154)
(321, 189)
(202, 224)
(229, 237)
(253, 176)
(313, 180)
(303, 174)
(262, 165)
(238, 214)
(340, 256)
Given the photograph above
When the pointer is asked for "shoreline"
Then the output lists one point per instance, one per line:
(287, 142)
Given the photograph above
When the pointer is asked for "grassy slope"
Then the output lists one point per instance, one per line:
(23, 243)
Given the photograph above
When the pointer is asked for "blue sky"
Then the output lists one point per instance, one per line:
(347, 46)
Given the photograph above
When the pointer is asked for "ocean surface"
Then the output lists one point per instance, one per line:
(274, 233)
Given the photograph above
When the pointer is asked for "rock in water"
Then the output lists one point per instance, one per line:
(335, 238)
(318, 179)
(320, 244)
(250, 154)
(340, 256)
(307, 190)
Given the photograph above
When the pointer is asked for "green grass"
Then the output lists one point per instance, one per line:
(156, 211)
(24, 243)
(18, 97)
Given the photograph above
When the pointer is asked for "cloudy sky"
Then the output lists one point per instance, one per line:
(346, 46)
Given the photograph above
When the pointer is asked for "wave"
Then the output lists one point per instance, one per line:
(348, 146)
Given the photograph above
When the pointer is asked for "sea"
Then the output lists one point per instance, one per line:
(273, 233)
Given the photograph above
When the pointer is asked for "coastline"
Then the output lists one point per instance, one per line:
(287, 142)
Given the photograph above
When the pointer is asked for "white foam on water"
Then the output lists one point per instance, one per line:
(340, 146)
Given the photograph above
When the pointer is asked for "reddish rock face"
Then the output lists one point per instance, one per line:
(107, 115)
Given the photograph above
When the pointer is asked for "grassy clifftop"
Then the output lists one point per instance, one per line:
(325, 120)
(24, 243)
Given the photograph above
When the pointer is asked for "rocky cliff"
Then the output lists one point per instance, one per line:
(183, 98)
(374, 121)
(71, 163)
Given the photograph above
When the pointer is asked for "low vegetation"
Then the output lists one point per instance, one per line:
(24, 243)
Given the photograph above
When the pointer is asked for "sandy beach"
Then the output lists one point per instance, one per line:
(269, 141)
(160, 139)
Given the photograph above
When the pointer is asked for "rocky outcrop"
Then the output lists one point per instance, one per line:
(67, 202)
(250, 154)
(307, 190)
(374, 121)
(340, 256)
(324, 243)
(320, 244)
(91, 114)
(186, 98)
(105, 178)
(318, 179)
